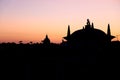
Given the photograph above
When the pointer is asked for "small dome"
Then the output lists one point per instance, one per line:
(46, 40)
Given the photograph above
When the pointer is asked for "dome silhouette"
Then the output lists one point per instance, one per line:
(88, 36)
(91, 37)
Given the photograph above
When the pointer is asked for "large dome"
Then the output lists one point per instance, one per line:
(88, 36)
(92, 37)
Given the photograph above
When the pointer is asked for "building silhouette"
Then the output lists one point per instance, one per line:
(88, 37)
(85, 50)
(46, 41)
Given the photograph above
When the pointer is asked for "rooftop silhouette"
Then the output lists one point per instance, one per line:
(84, 50)
(88, 36)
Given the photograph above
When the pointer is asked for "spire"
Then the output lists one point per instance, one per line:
(68, 32)
(88, 22)
(108, 30)
(46, 36)
(109, 33)
(92, 25)
(88, 26)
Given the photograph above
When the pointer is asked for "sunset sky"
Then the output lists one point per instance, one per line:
(31, 20)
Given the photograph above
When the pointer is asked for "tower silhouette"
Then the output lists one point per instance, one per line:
(46, 41)
(68, 33)
(108, 30)
(92, 25)
(110, 37)
(88, 26)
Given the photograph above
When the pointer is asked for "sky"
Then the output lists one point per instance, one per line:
(31, 20)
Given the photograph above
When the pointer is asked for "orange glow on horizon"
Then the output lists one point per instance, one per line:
(29, 20)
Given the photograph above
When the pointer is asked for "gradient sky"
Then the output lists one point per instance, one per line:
(31, 20)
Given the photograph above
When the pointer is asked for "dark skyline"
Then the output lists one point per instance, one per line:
(87, 50)
(59, 39)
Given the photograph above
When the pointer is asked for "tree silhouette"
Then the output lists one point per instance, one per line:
(20, 42)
